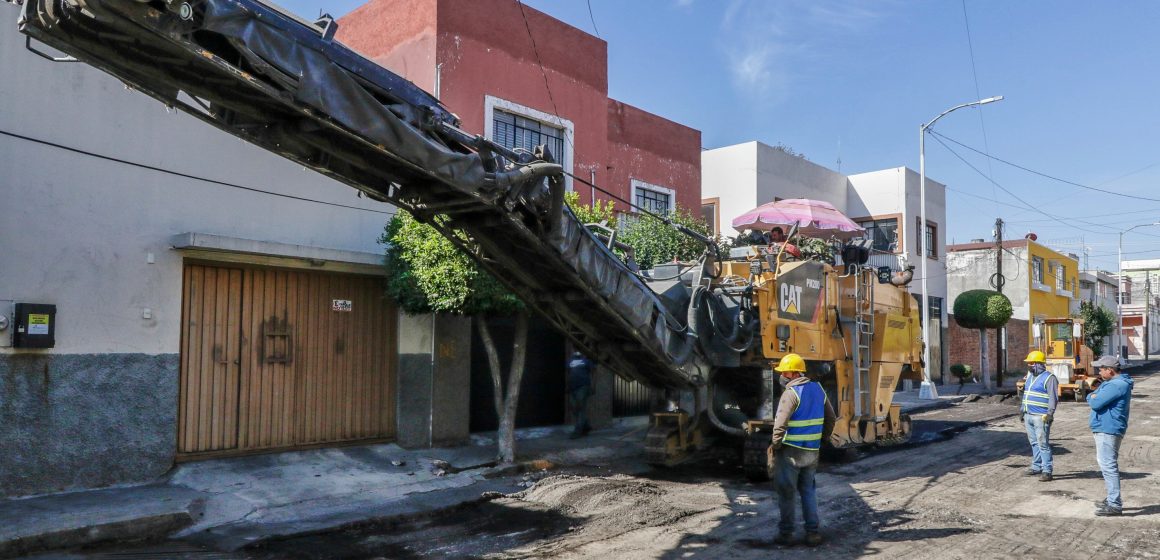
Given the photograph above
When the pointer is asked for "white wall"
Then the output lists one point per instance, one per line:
(879, 193)
(972, 270)
(76, 230)
(730, 174)
(748, 175)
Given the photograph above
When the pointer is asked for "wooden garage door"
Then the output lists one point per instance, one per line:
(275, 359)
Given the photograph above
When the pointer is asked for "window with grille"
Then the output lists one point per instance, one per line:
(1037, 269)
(513, 131)
(654, 198)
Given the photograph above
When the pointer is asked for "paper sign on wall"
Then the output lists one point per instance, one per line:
(341, 305)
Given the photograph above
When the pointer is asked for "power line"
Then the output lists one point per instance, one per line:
(185, 175)
(938, 137)
(593, 18)
(1045, 175)
(975, 75)
(540, 62)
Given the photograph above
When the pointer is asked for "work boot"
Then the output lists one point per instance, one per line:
(1032, 472)
(813, 539)
(1045, 477)
(576, 435)
(784, 539)
(1108, 511)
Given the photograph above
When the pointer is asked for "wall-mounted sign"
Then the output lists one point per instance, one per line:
(341, 305)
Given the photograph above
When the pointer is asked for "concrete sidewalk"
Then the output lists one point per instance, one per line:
(950, 393)
(227, 504)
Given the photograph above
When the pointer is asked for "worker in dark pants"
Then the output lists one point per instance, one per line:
(579, 390)
(804, 419)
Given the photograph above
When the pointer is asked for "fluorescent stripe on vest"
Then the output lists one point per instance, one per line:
(1035, 397)
(804, 430)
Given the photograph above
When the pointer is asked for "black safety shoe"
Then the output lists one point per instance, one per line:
(813, 539)
(1032, 472)
(1045, 477)
(1108, 511)
(784, 539)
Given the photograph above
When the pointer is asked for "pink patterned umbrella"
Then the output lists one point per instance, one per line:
(814, 218)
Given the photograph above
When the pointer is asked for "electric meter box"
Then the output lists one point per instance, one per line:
(35, 326)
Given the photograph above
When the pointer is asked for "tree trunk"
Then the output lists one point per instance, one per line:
(983, 359)
(506, 402)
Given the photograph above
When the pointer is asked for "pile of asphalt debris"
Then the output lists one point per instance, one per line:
(1010, 399)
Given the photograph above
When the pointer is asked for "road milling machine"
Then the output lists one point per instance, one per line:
(707, 332)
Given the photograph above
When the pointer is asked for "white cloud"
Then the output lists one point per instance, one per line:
(764, 41)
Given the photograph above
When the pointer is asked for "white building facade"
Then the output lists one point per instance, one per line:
(737, 178)
(1141, 308)
(206, 297)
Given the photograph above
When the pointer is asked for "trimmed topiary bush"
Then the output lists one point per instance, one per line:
(982, 309)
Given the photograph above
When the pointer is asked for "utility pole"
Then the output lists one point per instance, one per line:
(1001, 332)
(1147, 311)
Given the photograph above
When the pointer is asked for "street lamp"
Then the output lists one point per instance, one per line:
(927, 390)
(1120, 294)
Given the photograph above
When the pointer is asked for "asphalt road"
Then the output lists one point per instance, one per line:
(956, 492)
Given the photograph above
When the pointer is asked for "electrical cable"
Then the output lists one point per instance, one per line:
(593, 18)
(975, 75)
(938, 138)
(1041, 174)
(184, 175)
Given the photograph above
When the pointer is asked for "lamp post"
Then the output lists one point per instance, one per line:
(927, 391)
(1120, 293)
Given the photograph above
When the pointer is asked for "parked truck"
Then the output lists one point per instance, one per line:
(708, 332)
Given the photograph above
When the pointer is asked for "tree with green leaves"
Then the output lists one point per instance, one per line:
(982, 310)
(656, 242)
(426, 273)
(602, 211)
(1098, 323)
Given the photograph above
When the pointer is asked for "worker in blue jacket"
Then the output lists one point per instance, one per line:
(1110, 403)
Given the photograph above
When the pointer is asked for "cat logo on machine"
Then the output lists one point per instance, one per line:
(791, 299)
(799, 291)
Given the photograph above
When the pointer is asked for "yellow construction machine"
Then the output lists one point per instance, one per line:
(1068, 358)
(857, 328)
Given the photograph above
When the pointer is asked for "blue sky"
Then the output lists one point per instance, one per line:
(855, 80)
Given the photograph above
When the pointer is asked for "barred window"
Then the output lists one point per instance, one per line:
(516, 132)
(654, 198)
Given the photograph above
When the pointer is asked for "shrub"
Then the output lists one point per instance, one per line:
(961, 371)
(982, 309)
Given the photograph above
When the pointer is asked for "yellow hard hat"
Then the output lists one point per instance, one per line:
(1035, 357)
(791, 362)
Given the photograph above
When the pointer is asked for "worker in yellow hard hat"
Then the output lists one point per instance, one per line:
(804, 418)
(1040, 394)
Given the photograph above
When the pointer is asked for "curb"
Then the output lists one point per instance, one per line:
(152, 527)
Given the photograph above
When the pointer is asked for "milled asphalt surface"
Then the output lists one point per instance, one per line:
(233, 503)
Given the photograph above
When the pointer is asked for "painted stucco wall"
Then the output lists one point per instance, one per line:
(79, 232)
(748, 175)
(652, 149)
(1046, 301)
(972, 270)
(483, 51)
(881, 193)
(730, 175)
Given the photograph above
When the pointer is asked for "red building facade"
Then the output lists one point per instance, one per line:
(521, 77)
